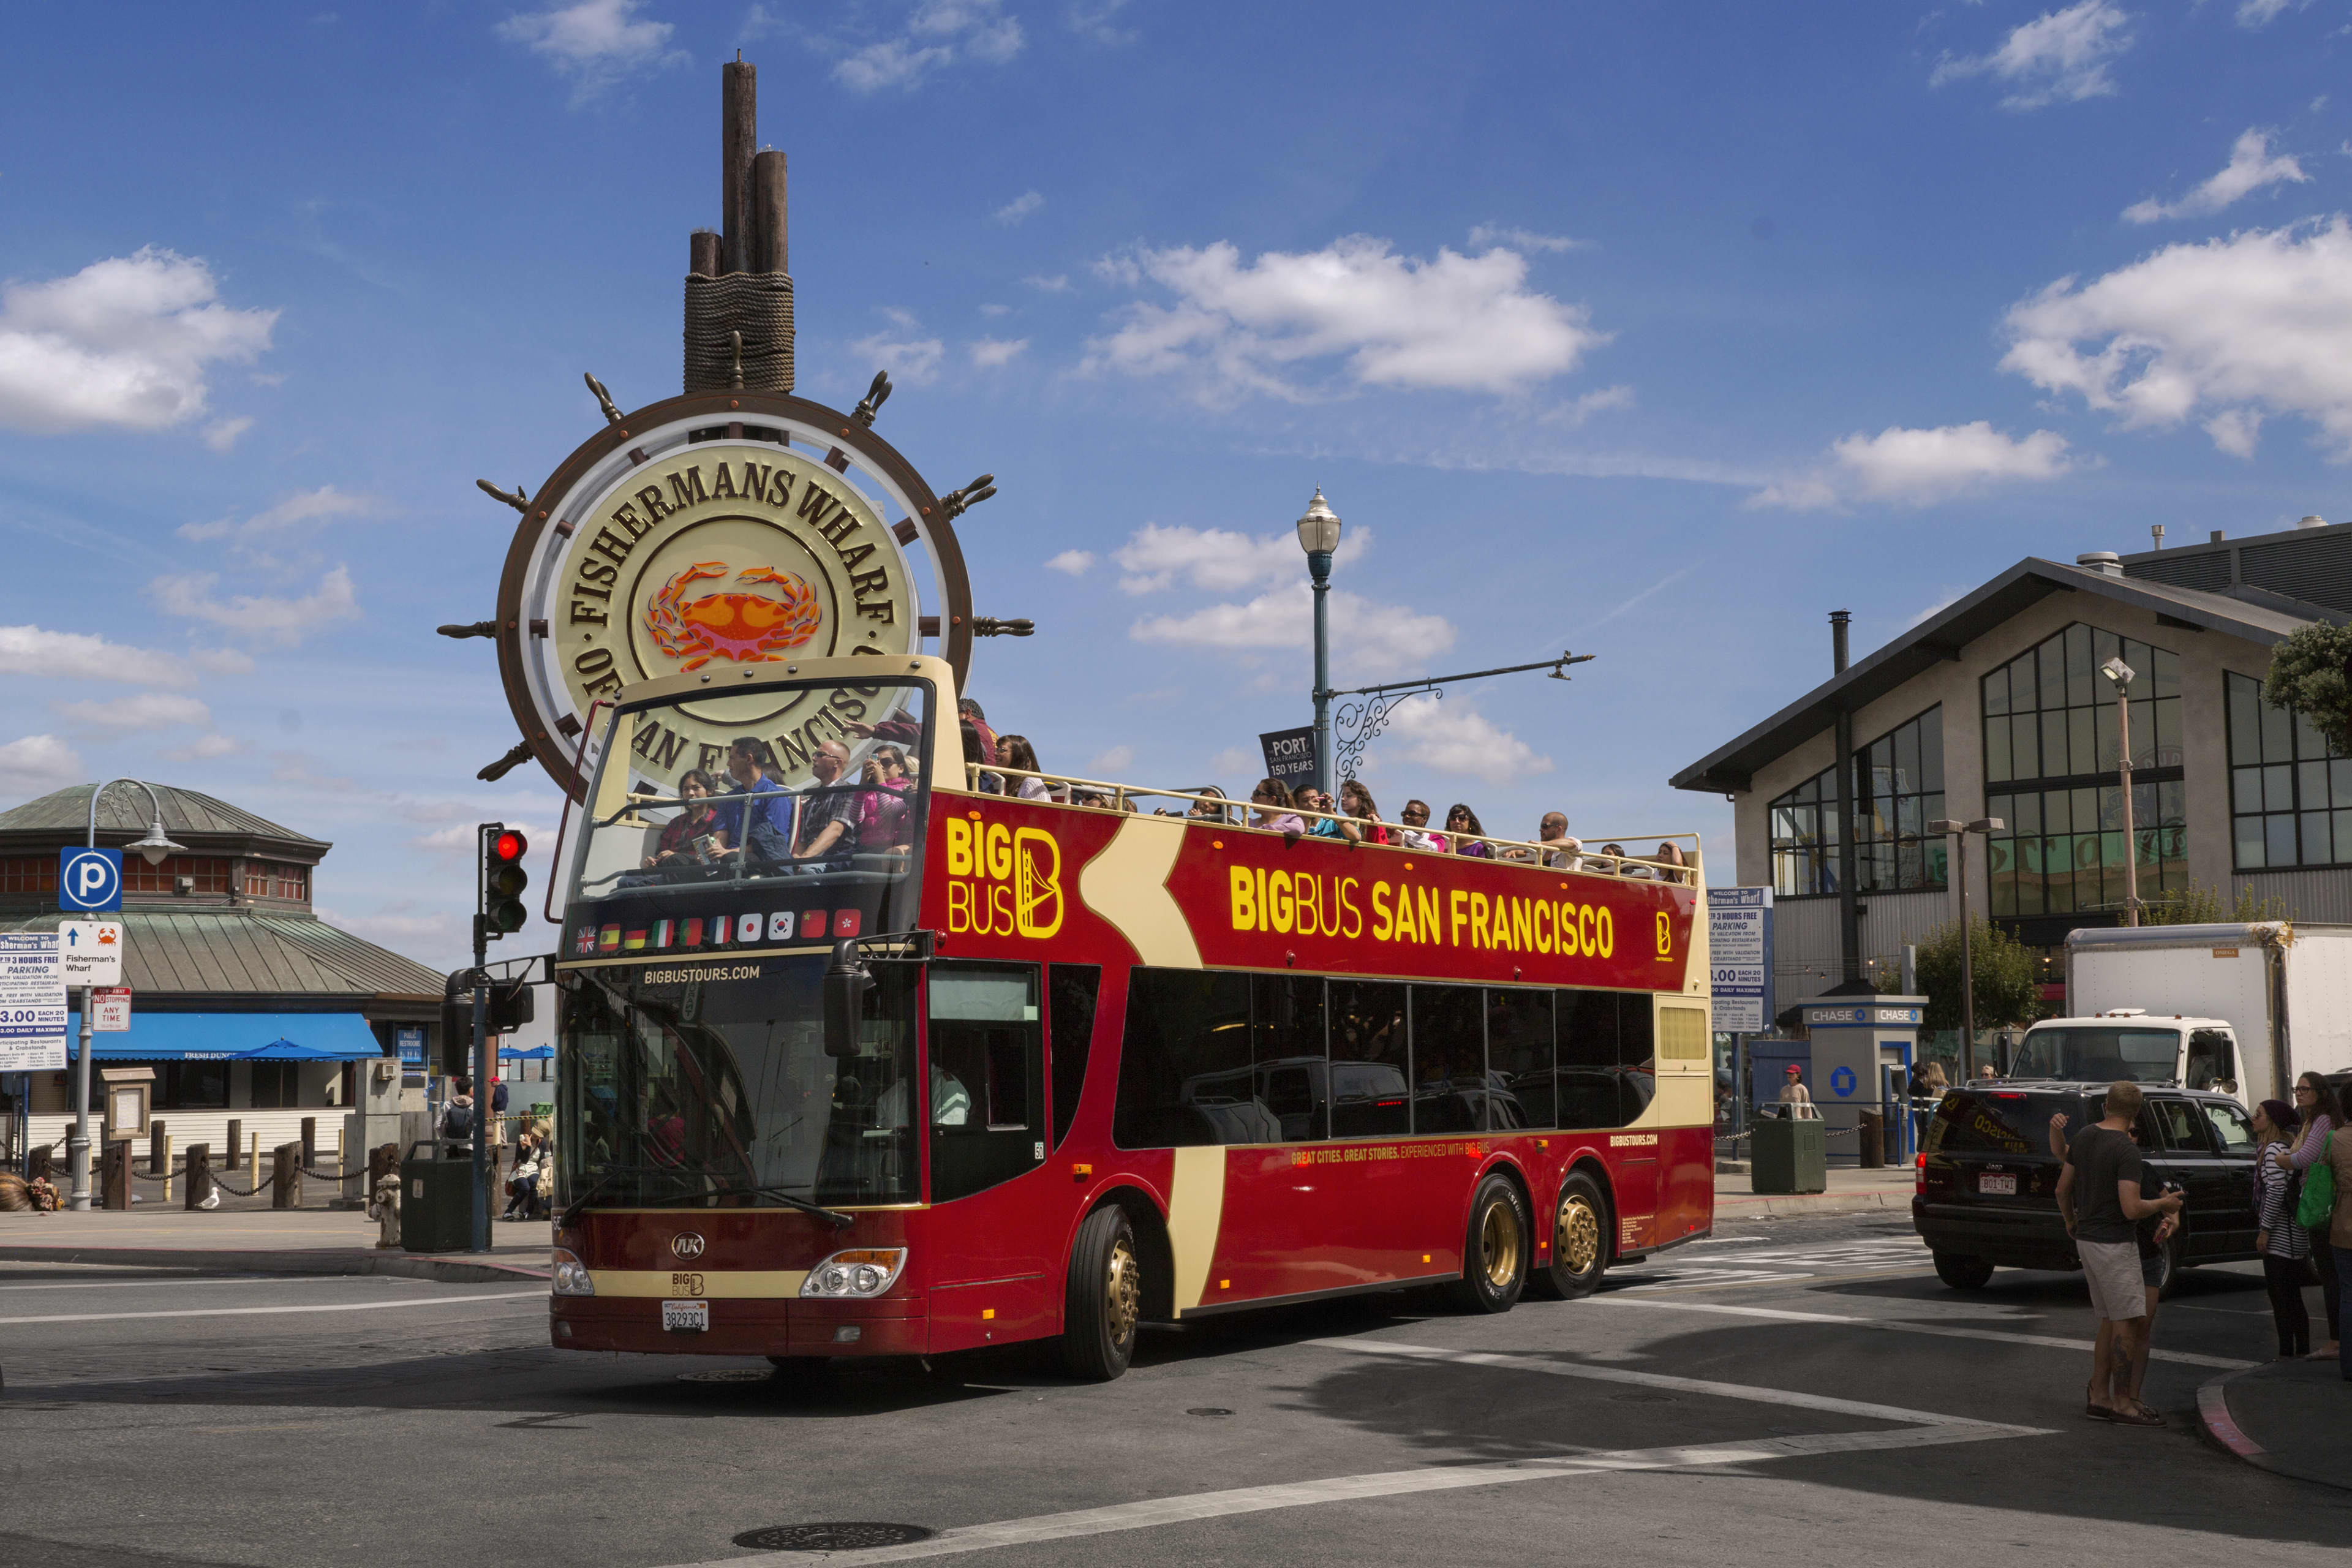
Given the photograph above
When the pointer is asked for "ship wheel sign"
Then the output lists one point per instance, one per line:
(720, 528)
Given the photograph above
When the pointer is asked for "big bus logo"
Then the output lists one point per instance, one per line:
(1003, 881)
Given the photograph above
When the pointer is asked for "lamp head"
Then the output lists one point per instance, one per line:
(1318, 531)
(2116, 671)
(157, 843)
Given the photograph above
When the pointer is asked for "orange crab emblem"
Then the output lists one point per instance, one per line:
(747, 627)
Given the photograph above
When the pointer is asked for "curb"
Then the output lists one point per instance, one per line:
(1785, 1206)
(321, 1261)
(2213, 1414)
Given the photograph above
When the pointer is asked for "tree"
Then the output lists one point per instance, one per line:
(2008, 988)
(2306, 679)
(2198, 905)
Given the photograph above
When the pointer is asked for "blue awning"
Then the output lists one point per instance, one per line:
(218, 1037)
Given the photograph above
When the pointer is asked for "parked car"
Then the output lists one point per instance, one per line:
(1988, 1189)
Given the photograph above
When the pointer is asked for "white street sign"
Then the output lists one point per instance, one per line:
(109, 1010)
(92, 952)
(32, 1003)
(1739, 949)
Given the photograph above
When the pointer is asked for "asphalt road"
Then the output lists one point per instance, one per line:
(1794, 1392)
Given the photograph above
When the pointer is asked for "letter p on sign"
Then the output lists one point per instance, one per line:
(89, 879)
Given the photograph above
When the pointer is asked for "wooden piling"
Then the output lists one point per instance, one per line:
(738, 116)
(768, 249)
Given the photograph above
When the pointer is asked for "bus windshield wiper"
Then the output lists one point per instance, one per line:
(834, 1217)
(573, 1210)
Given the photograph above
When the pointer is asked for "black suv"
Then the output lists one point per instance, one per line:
(1987, 1192)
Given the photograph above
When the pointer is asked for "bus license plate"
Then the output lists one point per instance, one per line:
(686, 1317)
(2005, 1186)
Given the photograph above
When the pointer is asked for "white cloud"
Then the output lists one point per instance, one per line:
(2060, 57)
(1575, 412)
(222, 434)
(2260, 12)
(938, 33)
(594, 42)
(1109, 764)
(144, 710)
(994, 309)
(124, 341)
(1487, 234)
(1074, 562)
(1096, 21)
(1372, 638)
(1458, 323)
(260, 617)
(1949, 597)
(205, 748)
(899, 316)
(1235, 760)
(295, 511)
(2250, 167)
(1059, 283)
(80, 655)
(1220, 560)
(34, 765)
(990, 352)
(1019, 207)
(915, 361)
(1456, 738)
(1917, 467)
(2259, 323)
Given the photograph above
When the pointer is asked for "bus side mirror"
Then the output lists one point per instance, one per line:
(846, 980)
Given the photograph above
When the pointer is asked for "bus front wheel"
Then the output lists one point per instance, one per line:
(1495, 1252)
(1104, 1298)
(1579, 1242)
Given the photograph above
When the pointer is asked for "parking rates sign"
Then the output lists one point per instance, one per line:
(1739, 958)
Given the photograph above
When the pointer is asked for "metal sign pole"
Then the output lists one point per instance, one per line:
(77, 1144)
(481, 1241)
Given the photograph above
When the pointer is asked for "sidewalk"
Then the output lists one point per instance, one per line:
(262, 1241)
(1850, 1191)
(2289, 1417)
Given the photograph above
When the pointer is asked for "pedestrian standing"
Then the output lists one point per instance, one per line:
(2315, 1102)
(2100, 1199)
(1797, 1097)
(2284, 1246)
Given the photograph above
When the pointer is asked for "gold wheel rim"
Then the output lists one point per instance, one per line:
(1578, 1244)
(1498, 1244)
(1122, 1292)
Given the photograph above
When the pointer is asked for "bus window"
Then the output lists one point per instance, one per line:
(1519, 1059)
(1070, 994)
(1286, 1029)
(1449, 1059)
(1370, 1095)
(987, 1096)
(1184, 1069)
(1587, 1060)
(1637, 1067)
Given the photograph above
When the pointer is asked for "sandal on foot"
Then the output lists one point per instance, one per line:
(2141, 1416)
(2097, 1412)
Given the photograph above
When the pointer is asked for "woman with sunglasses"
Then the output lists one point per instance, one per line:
(1463, 826)
(882, 816)
(2315, 1102)
(1272, 801)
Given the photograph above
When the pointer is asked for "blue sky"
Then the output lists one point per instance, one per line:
(1652, 332)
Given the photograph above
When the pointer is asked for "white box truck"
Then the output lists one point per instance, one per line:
(2242, 1007)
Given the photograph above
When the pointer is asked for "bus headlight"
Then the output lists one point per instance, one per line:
(866, 1271)
(572, 1275)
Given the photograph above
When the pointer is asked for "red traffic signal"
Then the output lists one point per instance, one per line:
(509, 846)
(503, 879)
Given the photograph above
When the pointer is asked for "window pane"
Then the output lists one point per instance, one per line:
(1370, 1092)
(1519, 1058)
(2051, 690)
(2245, 725)
(2079, 673)
(2166, 667)
(2278, 735)
(2278, 840)
(2343, 834)
(2250, 843)
(2278, 788)
(1998, 768)
(2307, 742)
(2339, 785)
(2023, 694)
(1906, 758)
(1931, 749)
(2246, 789)
(2053, 743)
(1449, 1059)
(1070, 994)
(1996, 692)
(2001, 865)
(2311, 784)
(1587, 1060)
(1637, 1080)
(2025, 739)
(2082, 754)
(1184, 1069)
(1286, 1012)
(2317, 849)
(2103, 718)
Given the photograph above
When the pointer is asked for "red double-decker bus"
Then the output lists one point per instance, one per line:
(856, 1059)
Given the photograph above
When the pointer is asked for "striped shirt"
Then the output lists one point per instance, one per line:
(2272, 1213)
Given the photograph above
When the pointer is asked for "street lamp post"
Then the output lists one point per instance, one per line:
(1958, 831)
(1319, 535)
(153, 848)
(2116, 671)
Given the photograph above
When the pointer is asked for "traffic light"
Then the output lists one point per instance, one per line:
(511, 1005)
(503, 879)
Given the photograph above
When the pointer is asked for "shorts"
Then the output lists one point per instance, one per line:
(2112, 1269)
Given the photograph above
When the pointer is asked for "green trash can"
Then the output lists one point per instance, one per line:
(436, 1198)
(1790, 1157)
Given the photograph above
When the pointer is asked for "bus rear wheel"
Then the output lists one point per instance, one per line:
(1495, 1252)
(1104, 1302)
(1579, 1242)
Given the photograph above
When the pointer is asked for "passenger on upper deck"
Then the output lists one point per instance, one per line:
(1616, 867)
(975, 755)
(1273, 800)
(1670, 854)
(883, 816)
(1209, 809)
(1414, 834)
(761, 829)
(1552, 830)
(1015, 752)
(829, 829)
(1364, 826)
(969, 712)
(697, 834)
(1463, 826)
(1309, 798)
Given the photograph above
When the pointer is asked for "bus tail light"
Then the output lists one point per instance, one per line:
(572, 1275)
(859, 1273)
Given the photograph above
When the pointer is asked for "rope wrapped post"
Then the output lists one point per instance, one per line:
(285, 1177)
(236, 1143)
(118, 1175)
(159, 1149)
(200, 1175)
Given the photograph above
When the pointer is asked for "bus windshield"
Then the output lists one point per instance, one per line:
(699, 1082)
(2082, 1054)
(789, 814)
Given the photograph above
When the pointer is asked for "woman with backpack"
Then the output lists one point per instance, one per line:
(2315, 1102)
(2285, 1245)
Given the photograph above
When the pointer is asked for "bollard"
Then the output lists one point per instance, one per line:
(375, 1167)
(309, 1142)
(253, 1151)
(285, 1177)
(167, 1161)
(39, 1168)
(159, 1149)
(236, 1142)
(200, 1175)
(116, 1188)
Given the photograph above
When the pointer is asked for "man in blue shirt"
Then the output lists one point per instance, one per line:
(761, 829)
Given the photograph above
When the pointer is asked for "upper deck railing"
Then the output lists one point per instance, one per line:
(1102, 795)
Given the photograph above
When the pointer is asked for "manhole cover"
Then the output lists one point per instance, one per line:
(729, 1374)
(1644, 1398)
(832, 1537)
(1207, 1410)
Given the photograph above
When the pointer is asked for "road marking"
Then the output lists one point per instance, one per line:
(272, 1312)
(175, 1282)
(1930, 1430)
(2048, 1341)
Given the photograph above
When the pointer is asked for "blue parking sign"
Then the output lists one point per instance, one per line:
(89, 879)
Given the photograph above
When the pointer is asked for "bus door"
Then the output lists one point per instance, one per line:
(994, 1279)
